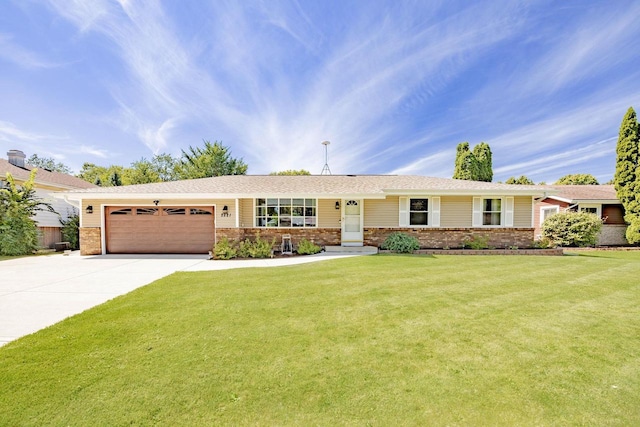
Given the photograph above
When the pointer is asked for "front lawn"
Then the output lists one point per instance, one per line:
(376, 340)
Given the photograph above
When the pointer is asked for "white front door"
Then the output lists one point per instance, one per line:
(352, 222)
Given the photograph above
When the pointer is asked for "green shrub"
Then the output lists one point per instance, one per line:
(224, 250)
(633, 231)
(543, 243)
(18, 232)
(18, 235)
(476, 242)
(305, 247)
(572, 228)
(261, 248)
(401, 243)
(244, 248)
(71, 230)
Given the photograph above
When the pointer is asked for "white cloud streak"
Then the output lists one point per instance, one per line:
(23, 57)
(273, 80)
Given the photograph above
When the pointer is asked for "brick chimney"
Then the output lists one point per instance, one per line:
(16, 158)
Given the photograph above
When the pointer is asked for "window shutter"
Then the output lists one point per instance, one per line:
(477, 212)
(435, 212)
(403, 221)
(508, 212)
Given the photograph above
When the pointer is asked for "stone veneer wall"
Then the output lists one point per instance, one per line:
(612, 235)
(319, 236)
(90, 241)
(454, 237)
(428, 237)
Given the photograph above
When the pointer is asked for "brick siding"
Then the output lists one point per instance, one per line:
(319, 236)
(428, 237)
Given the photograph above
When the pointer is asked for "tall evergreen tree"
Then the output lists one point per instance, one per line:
(115, 179)
(473, 165)
(482, 153)
(465, 165)
(627, 177)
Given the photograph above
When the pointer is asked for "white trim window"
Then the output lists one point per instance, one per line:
(593, 208)
(547, 211)
(419, 211)
(493, 211)
(286, 212)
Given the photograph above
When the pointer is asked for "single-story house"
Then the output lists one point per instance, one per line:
(190, 216)
(46, 182)
(598, 199)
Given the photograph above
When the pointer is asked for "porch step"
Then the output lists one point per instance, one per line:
(352, 249)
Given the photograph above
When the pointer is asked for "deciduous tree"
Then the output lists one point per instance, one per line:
(48, 163)
(292, 172)
(18, 230)
(211, 160)
(521, 180)
(578, 179)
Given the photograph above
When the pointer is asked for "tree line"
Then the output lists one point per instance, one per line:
(212, 159)
(476, 165)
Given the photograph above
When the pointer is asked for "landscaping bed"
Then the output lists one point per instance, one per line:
(545, 252)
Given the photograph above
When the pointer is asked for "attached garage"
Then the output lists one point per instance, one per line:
(154, 230)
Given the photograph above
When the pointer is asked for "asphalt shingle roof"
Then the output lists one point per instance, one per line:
(43, 176)
(584, 192)
(318, 185)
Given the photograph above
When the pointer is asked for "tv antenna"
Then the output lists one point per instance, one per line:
(325, 169)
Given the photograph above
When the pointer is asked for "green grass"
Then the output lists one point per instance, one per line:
(377, 340)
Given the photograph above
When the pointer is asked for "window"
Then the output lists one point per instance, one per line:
(491, 211)
(197, 211)
(286, 212)
(547, 212)
(594, 209)
(175, 211)
(418, 211)
(125, 211)
(147, 211)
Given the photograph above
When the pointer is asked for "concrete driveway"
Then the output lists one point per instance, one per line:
(36, 292)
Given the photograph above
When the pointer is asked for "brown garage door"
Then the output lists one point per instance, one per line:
(168, 230)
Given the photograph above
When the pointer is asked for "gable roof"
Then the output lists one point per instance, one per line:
(43, 176)
(584, 193)
(318, 186)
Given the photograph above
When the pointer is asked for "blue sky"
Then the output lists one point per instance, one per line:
(394, 85)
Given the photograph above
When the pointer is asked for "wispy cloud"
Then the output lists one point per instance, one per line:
(394, 86)
(25, 58)
(97, 152)
(10, 132)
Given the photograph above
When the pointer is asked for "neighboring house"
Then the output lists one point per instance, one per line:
(46, 182)
(598, 199)
(190, 216)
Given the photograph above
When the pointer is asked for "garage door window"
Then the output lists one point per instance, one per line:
(175, 211)
(286, 213)
(196, 211)
(126, 211)
(147, 211)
